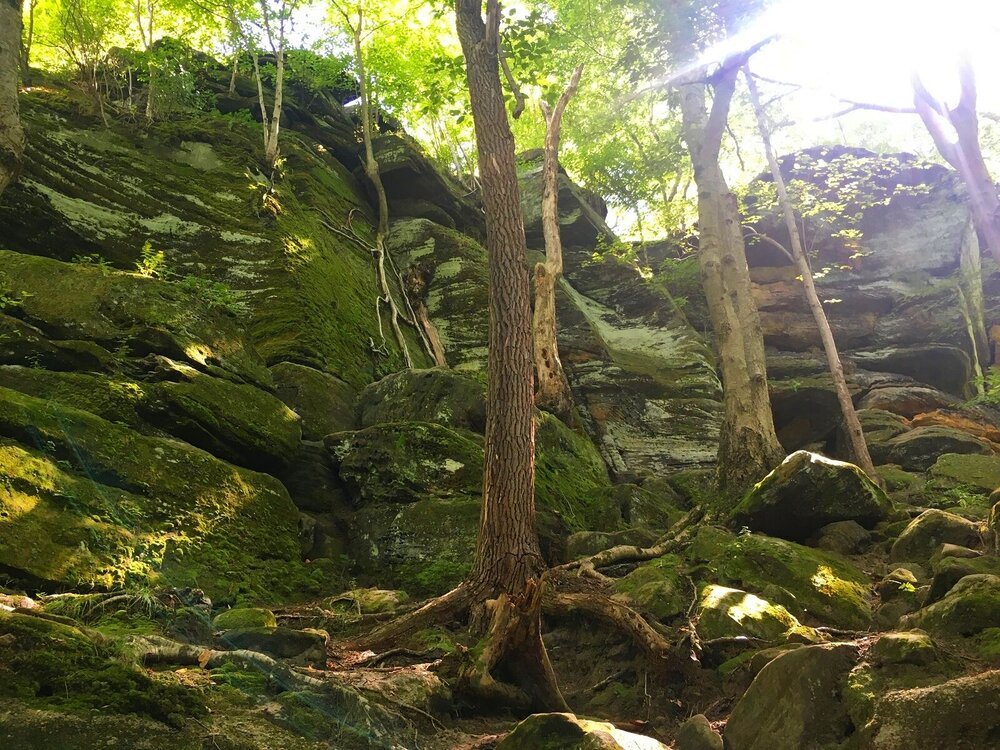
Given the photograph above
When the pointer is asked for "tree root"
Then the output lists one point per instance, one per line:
(675, 538)
(514, 651)
(434, 612)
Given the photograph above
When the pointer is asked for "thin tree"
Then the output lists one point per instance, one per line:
(356, 26)
(275, 29)
(748, 443)
(553, 393)
(11, 132)
(955, 131)
(145, 18)
(856, 436)
(27, 40)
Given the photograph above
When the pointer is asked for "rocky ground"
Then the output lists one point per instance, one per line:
(214, 472)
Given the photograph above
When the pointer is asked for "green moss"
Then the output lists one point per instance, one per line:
(104, 506)
(987, 644)
(245, 617)
(809, 583)
(658, 587)
(58, 665)
(250, 681)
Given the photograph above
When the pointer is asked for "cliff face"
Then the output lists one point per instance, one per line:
(162, 294)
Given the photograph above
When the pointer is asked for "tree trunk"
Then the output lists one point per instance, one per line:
(855, 435)
(11, 133)
(507, 551)
(504, 580)
(956, 134)
(748, 445)
(553, 393)
(28, 38)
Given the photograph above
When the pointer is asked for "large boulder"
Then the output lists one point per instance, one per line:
(816, 587)
(324, 402)
(731, 613)
(794, 702)
(919, 448)
(569, 732)
(960, 714)
(927, 532)
(658, 587)
(442, 396)
(979, 471)
(808, 491)
(970, 607)
(90, 503)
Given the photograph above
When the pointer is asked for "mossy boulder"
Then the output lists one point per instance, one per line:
(920, 448)
(843, 537)
(927, 532)
(816, 587)
(906, 647)
(808, 491)
(57, 665)
(244, 617)
(950, 570)
(402, 462)
(959, 713)
(122, 310)
(324, 402)
(96, 504)
(442, 396)
(731, 613)
(304, 646)
(369, 601)
(584, 543)
(795, 701)
(978, 471)
(569, 732)
(697, 734)
(237, 422)
(970, 607)
(658, 587)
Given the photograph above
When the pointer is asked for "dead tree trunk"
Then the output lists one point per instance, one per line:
(855, 435)
(553, 393)
(748, 444)
(11, 132)
(956, 134)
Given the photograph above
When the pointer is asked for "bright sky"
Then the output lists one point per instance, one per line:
(867, 50)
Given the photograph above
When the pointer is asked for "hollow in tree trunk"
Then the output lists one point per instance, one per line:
(852, 426)
(748, 444)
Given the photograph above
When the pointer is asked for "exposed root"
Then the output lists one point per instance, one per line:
(675, 538)
(652, 643)
(514, 652)
(442, 609)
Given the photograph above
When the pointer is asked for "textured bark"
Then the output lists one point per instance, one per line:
(852, 426)
(956, 134)
(507, 551)
(11, 132)
(748, 444)
(553, 393)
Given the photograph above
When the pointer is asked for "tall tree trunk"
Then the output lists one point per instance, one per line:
(508, 558)
(956, 134)
(553, 393)
(855, 435)
(748, 444)
(11, 132)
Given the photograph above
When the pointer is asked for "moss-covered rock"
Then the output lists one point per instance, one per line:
(568, 732)
(920, 448)
(814, 586)
(979, 471)
(244, 617)
(403, 462)
(950, 570)
(731, 613)
(98, 505)
(324, 402)
(808, 491)
(795, 701)
(959, 713)
(658, 587)
(928, 531)
(906, 647)
(571, 478)
(442, 396)
(970, 607)
(53, 664)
